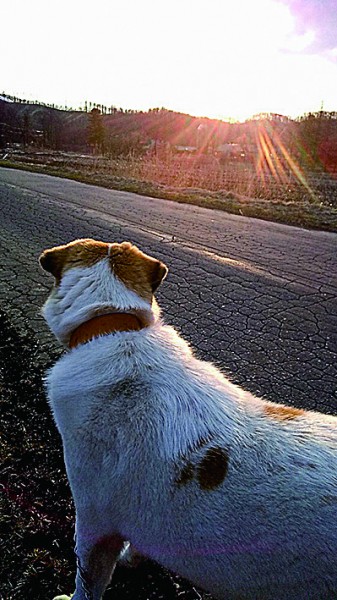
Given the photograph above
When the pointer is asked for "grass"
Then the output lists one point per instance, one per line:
(37, 514)
(199, 181)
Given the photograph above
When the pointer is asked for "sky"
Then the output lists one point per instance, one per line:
(217, 58)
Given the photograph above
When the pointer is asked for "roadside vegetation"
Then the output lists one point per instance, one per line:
(238, 190)
(270, 167)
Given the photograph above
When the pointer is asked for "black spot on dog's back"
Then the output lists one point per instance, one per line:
(213, 468)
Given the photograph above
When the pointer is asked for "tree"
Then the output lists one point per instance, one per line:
(26, 130)
(96, 131)
(52, 126)
(315, 130)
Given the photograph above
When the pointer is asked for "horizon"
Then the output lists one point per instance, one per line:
(11, 98)
(215, 60)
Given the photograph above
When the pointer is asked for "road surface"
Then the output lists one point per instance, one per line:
(259, 299)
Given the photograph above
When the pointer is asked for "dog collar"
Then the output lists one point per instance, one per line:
(103, 325)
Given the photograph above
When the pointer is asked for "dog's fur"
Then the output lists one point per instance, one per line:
(236, 494)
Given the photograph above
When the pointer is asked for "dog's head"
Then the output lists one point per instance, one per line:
(138, 271)
(92, 277)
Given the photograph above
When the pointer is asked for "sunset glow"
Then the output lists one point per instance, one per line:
(216, 58)
(275, 159)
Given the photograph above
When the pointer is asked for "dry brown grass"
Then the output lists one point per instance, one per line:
(296, 198)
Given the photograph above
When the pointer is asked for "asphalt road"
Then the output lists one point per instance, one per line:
(259, 299)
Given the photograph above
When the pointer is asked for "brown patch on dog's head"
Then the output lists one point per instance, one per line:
(282, 413)
(79, 253)
(138, 271)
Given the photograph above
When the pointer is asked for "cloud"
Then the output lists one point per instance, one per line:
(316, 20)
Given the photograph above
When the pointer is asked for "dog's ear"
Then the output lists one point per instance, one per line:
(79, 253)
(53, 261)
(137, 270)
(158, 273)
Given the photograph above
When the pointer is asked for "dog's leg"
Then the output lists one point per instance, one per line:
(96, 561)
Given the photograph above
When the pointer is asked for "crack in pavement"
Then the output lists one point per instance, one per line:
(113, 204)
(268, 318)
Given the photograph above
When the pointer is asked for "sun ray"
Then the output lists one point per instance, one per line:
(271, 152)
(295, 168)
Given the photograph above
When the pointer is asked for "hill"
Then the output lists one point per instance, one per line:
(49, 126)
(41, 124)
(311, 140)
(270, 167)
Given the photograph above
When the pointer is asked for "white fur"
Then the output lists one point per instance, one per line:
(132, 407)
(85, 292)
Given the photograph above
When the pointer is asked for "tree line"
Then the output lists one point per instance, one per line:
(86, 107)
(311, 139)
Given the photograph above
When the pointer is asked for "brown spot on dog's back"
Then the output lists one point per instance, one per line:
(138, 271)
(187, 472)
(282, 413)
(79, 253)
(213, 468)
(186, 475)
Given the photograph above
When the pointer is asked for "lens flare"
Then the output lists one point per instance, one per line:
(274, 159)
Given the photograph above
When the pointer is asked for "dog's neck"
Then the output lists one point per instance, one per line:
(104, 325)
(88, 292)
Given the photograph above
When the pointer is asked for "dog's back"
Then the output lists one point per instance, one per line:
(236, 494)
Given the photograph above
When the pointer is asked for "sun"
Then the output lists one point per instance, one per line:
(225, 61)
(218, 58)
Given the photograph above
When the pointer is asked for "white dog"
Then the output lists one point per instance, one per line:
(236, 494)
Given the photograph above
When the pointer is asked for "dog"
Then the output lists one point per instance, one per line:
(232, 492)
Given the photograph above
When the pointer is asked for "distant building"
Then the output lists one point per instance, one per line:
(230, 150)
(185, 149)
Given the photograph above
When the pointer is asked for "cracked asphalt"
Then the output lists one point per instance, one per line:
(258, 299)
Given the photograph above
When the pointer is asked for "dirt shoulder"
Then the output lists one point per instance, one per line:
(317, 213)
(36, 506)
